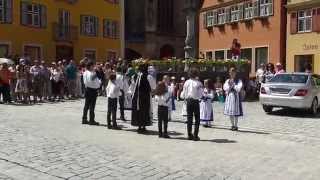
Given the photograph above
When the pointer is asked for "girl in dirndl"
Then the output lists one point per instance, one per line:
(233, 104)
(206, 109)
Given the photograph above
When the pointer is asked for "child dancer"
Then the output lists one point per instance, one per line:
(113, 93)
(163, 99)
(233, 105)
(206, 111)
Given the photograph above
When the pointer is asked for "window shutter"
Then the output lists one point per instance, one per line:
(117, 29)
(227, 14)
(104, 28)
(316, 20)
(256, 8)
(96, 23)
(43, 14)
(205, 20)
(82, 25)
(294, 23)
(8, 11)
(23, 15)
(241, 11)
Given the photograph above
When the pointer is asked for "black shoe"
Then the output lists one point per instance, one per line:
(139, 131)
(123, 119)
(109, 127)
(235, 128)
(196, 138)
(94, 123)
(232, 128)
(117, 128)
(84, 121)
(166, 136)
(160, 135)
(190, 137)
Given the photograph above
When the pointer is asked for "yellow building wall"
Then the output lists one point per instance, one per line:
(17, 35)
(302, 44)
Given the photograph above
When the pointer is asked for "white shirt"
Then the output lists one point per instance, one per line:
(91, 80)
(152, 82)
(259, 75)
(119, 80)
(192, 89)
(163, 100)
(113, 90)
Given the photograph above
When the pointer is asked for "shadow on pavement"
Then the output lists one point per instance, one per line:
(220, 141)
(296, 113)
(154, 133)
(242, 131)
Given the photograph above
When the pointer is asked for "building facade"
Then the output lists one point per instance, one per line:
(61, 29)
(259, 26)
(155, 28)
(303, 35)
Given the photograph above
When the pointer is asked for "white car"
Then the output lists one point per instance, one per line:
(291, 90)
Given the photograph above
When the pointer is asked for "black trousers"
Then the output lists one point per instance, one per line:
(90, 103)
(112, 111)
(5, 91)
(193, 109)
(163, 119)
(121, 103)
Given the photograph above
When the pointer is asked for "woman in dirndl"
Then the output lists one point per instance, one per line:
(233, 105)
(206, 108)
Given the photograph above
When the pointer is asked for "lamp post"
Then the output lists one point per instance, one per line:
(190, 41)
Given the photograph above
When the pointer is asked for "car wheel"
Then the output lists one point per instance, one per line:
(314, 107)
(267, 109)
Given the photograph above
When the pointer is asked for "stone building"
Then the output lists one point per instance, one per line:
(155, 28)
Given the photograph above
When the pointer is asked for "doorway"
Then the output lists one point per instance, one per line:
(64, 52)
(302, 61)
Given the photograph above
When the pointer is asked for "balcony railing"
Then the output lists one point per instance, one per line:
(65, 33)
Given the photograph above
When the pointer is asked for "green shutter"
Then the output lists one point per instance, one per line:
(82, 27)
(23, 15)
(8, 11)
(96, 23)
(43, 16)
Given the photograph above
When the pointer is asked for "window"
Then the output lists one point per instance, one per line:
(235, 13)
(111, 55)
(32, 52)
(210, 18)
(261, 57)
(4, 50)
(266, 7)
(301, 62)
(90, 54)
(209, 55)
(110, 28)
(219, 55)
(248, 10)
(246, 54)
(221, 16)
(33, 14)
(113, 1)
(5, 11)
(305, 21)
(89, 25)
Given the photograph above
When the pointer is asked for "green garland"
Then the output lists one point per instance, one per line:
(197, 62)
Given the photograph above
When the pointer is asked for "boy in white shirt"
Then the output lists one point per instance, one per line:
(163, 100)
(113, 93)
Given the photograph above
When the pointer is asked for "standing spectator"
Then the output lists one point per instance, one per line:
(206, 110)
(71, 78)
(22, 83)
(152, 79)
(260, 76)
(119, 82)
(79, 88)
(13, 82)
(192, 93)
(101, 75)
(235, 49)
(163, 99)
(279, 68)
(233, 105)
(55, 81)
(37, 80)
(5, 77)
(270, 72)
(62, 79)
(218, 88)
(113, 92)
(180, 87)
(308, 68)
(47, 88)
(92, 84)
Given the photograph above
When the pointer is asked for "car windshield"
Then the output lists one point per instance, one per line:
(290, 78)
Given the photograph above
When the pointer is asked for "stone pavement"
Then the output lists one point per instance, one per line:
(47, 141)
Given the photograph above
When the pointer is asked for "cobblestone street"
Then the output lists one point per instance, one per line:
(47, 141)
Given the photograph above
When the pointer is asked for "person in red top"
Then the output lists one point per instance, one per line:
(5, 76)
(235, 49)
